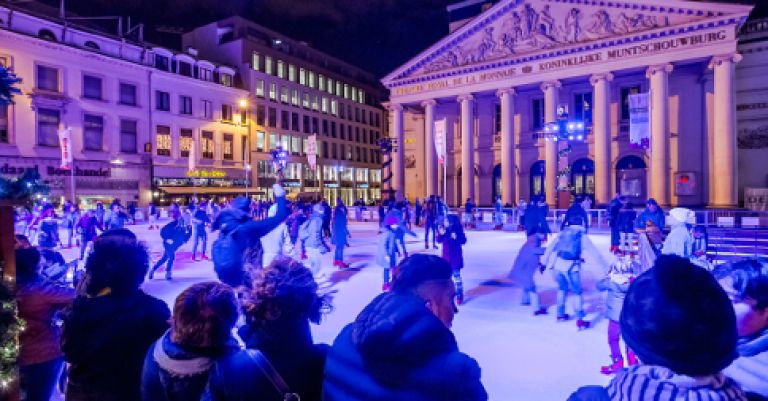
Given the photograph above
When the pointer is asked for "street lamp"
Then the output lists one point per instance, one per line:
(243, 103)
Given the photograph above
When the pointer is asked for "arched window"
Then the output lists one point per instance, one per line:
(46, 34)
(583, 178)
(538, 173)
(92, 45)
(631, 178)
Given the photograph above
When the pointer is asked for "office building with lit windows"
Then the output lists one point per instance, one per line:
(296, 91)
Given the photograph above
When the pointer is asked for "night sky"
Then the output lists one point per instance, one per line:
(377, 35)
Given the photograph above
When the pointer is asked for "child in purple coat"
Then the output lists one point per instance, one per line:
(452, 237)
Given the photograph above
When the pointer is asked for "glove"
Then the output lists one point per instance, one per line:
(278, 190)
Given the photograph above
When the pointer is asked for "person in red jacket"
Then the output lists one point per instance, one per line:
(40, 356)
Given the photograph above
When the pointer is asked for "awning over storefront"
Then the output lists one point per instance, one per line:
(210, 190)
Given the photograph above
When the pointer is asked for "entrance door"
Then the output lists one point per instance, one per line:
(583, 179)
(631, 178)
(537, 179)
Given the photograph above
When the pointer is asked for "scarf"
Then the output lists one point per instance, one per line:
(657, 383)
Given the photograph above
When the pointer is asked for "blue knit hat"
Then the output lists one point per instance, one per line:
(676, 315)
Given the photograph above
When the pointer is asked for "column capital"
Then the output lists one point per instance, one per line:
(429, 103)
(653, 69)
(506, 91)
(393, 106)
(596, 78)
(467, 97)
(732, 58)
(550, 84)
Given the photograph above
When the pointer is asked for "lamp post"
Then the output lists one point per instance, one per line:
(243, 103)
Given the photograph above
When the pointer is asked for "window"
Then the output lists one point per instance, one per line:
(162, 63)
(228, 147)
(226, 112)
(330, 86)
(207, 107)
(185, 69)
(582, 107)
(225, 79)
(285, 142)
(324, 105)
(128, 94)
(325, 150)
(185, 141)
(334, 154)
(48, 127)
(342, 133)
(338, 88)
(354, 94)
(260, 114)
(295, 97)
(284, 94)
(334, 107)
(260, 141)
(91, 87)
(281, 69)
(163, 140)
(268, 65)
(4, 137)
(357, 114)
(363, 119)
(625, 92)
(285, 121)
(306, 127)
(315, 102)
(292, 72)
(314, 125)
(273, 91)
(256, 61)
(346, 91)
(295, 145)
(305, 101)
(162, 101)
(321, 82)
(357, 134)
(295, 122)
(206, 144)
(185, 105)
(342, 114)
(93, 132)
(260, 87)
(325, 127)
(128, 136)
(537, 114)
(333, 129)
(361, 96)
(349, 152)
(244, 147)
(205, 74)
(47, 78)
(302, 76)
(272, 117)
(312, 83)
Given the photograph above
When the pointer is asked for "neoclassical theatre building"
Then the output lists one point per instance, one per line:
(502, 76)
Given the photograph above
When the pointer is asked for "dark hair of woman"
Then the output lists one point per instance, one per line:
(203, 315)
(118, 262)
(27, 261)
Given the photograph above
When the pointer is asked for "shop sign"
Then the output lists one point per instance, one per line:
(206, 173)
(79, 172)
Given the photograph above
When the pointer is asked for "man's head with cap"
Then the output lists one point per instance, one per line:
(430, 278)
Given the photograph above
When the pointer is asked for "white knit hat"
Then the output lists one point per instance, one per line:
(683, 215)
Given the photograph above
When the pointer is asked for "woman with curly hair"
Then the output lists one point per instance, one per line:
(283, 300)
(112, 322)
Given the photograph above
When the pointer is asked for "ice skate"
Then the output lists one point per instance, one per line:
(617, 365)
(564, 318)
(540, 311)
(583, 324)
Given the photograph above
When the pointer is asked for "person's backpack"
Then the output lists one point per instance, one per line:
(569, 244)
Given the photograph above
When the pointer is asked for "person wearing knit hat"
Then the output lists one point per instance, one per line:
(311, 232)
(679, 241)
(681, 325)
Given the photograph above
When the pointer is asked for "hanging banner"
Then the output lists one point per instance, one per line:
(312, 151)
(192, 160)
(440, 128)
(639, 120)
(65, 142)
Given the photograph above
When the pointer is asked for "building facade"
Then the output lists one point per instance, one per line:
(134, 111)
(498, 80)
(296, 91)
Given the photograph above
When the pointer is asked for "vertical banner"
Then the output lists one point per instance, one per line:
(192, 160)
(312, 151)
(639, 120)
(440, 128)
(65, 142)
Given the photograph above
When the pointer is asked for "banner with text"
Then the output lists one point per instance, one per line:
(192, 160)
(65, 142)
(639, 120)
(312, 151)
(440, 128)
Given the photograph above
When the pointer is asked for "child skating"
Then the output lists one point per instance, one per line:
(452, 237)
(527, 263)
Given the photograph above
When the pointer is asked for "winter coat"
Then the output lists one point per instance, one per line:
(527, 262)
(87, 227)
(49, 233)
(397, 349)
(175, 234)
(535, 220)
(294, 223)
(626, 221)
(620, 274)
(104, 339)
(453, 239)
(575, 215)
(39, 301)
(678, 242)
(311, 232)
(115, 220)
(750, 369)
(659, 383)
(614, 207)
(200, 220)
(174, 372)
(386, 249)
(339, 231)
(656, 218)
(289, 349)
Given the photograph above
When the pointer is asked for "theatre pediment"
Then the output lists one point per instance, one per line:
(515, 28)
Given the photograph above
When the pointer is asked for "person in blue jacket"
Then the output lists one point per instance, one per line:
(339, 233)
(652, 215)
(174, 234)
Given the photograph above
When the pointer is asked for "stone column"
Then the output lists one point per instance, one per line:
(430, 153)
(601, 128)
(550, 89)
(467, 148)
(660, 171)
(507, 145)
(724, 146)
(398, 163)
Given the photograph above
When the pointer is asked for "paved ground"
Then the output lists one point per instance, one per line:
(523, 357)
